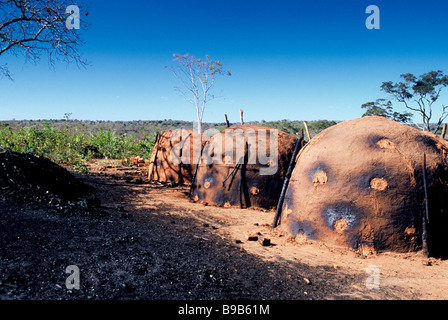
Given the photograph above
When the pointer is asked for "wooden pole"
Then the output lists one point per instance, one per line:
(227, 121)
(307, 131)
(278, 211)
(241, 117)
(300, 134)
(425, 220)
(425, 187)
(193, 180)
(235, 168)
(443, 132)
(153, 157)
(243, 191)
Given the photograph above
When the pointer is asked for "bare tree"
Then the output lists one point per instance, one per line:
(34, 27)
(198, 78)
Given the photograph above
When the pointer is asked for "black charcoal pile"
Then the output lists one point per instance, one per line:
(40, 182)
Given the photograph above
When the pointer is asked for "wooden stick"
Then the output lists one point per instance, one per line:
(193, 180)
(278, 211)
(227, 121)
(241, 116)
(443, 131)
(153, 157)
(243, 191)
(425, 220)
(235, 168)
(425, 187)
(307, 131)
(300, 134)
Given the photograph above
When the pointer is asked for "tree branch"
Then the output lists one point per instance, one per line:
(198, 77)
(35, 27)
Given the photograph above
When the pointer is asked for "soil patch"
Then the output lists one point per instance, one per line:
(151, 242)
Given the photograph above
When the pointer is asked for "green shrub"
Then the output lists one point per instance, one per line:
(69, 146)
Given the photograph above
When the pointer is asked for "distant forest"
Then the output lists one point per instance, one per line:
(75, 142)
(141, 128)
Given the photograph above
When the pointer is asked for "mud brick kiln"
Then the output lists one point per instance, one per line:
(371, 183)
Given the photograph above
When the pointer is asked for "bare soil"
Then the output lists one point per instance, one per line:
(149, 241)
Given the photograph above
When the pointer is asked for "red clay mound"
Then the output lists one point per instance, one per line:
(249, 175)
(172, 158)
(360, 183)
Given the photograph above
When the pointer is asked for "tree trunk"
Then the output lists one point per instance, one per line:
(199, 124)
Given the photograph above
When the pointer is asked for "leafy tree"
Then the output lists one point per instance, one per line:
(419, 94)
(198, 78)
(33, 27)
(319, 125)
(383, 107)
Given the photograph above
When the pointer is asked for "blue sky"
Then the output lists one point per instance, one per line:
(296, 60)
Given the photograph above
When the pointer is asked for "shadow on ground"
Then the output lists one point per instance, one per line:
(131, 253)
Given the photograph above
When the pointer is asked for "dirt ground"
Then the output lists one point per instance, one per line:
(149, 241)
